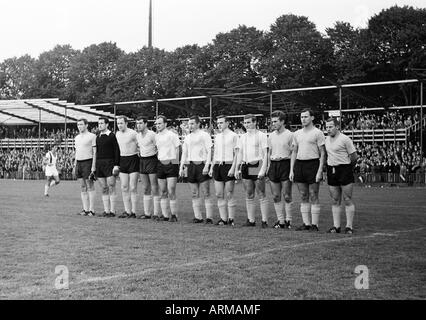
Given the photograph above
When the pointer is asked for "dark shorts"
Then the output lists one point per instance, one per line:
(250, 171)
(165, 171)
(220, 172)
(305, 171)
(83, 169)
(129, 164)
(195, 173)
(341, 175)
(279, 171)
(148, 165)
(104, 168)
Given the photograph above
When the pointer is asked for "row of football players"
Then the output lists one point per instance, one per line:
(284, 157)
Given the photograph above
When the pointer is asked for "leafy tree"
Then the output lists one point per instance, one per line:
(396, 39)
(235, 57)
(298, 55)
(17, 78)
(92, 73)
(52, 71)
(349, 53)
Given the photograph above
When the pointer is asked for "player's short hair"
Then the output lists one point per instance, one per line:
(83, 120)
(250, 116)
(124, 118)
(105, 119)
(222, 117)
(143, 118)
(162, 117)
(334, 120)
(278, 114)
(195, 117)
(311, 113)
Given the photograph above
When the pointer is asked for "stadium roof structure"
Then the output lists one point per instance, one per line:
(253, 98)
(53, 110)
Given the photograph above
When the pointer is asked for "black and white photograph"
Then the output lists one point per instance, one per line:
(207, 157)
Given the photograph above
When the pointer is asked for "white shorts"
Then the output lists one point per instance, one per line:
(51, 171)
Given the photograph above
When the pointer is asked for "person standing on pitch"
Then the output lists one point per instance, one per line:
(129, 167)
(307, 161)
(148, 168)
(252, 164)
(223, 170)
(52, 174)
(196, 154)
(280, 141)
(85, 166)
(167, 143)
(341, 158)
(107, 165)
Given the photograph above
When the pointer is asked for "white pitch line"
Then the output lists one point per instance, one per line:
(238, 257)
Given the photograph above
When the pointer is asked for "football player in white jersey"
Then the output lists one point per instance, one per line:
(85, 166)
(148, 169)
(280, 141)
(307, 162)
(223, 170)
(252, 163)
(341, 157)
(196, 155)
(129, 167)
(168, 144)
(52, 174)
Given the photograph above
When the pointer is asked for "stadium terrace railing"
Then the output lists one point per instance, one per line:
(32, 143)
(377, 135)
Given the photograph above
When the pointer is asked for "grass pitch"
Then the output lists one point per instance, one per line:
(111, 258)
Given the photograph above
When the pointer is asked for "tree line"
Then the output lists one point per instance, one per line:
(291, 54)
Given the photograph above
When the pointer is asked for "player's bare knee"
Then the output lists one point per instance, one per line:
(219, 195)
(195, 195)
(288, 198)
(348, 200)
(304, 196)
(154, 190)
(206, 193)
(313, 197)
(335, 202)
(250, 195)
(229, 195)
(277, 198)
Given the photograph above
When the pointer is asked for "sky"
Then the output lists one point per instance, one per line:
(32, 27)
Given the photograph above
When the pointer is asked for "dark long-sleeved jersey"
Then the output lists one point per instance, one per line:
(107, 147)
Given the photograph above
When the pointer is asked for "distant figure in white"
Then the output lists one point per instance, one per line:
(52, 175)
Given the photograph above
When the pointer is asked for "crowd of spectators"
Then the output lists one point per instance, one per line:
(31, 161)
(384, 120)
(391, 158)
